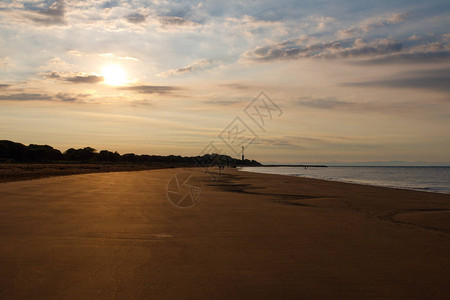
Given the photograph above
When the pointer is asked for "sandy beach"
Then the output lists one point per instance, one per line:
(259, 236)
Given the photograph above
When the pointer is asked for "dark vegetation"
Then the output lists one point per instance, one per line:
(11, 152)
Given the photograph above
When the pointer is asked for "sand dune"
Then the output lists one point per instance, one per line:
(117, 236)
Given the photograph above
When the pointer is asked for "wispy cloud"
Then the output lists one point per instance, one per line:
(435, 80)
(42, 96)
(202, 64)
(136, 18)
(150, 89)
(110, 55)
(237, 86)
(54, 14)
(25, 97)
(371, 24)
(335, 49)
(381, 107)
(171, 22)
(74, 77)
(434, 52)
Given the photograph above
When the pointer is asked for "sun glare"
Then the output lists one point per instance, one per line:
(114, 75)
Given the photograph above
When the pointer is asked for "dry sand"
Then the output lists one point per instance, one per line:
(116, 236)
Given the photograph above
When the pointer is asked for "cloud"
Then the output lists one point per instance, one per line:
(64, 97)
(136, 18)
(434, 52)
(3, 86)
(236, 86)
(294, 49)
(226, 102)
(74, 77)
(150, 89)
(25, 97)
(323, 103)
(54, 14)
(109, 55)
(334, 104)
(435, 80)
(141, 103)
(305, 142)
(196, 66)
(85, 79)
(409, 58)
(371, 24)
(169, 21)
(285, 142)
(112, 55)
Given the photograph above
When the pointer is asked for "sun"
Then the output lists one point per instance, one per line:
(114, 75)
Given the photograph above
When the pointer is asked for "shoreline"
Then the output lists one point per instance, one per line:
(441, 190)
(105, 168)
(356, 183)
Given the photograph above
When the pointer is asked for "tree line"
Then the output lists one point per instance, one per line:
(17, 152)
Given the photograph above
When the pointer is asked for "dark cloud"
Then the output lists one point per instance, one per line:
(25, 97)
(136, 18)
(64, 97)
(336, 49)
(436, 80)
(52, 15)
(176, 22)
(150, 89)
(74, 78)
(3, 86)
(85, 79)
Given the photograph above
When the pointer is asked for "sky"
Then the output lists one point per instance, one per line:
(291, 81)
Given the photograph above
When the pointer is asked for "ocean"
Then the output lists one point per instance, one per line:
(428, 179)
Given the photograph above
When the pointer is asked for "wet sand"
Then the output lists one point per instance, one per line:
(117, 236)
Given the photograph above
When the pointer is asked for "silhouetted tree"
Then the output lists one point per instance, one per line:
(108, 156)
(84, 155)
(12, 151)
(130, 157)
(16, 152)
(42, 153)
